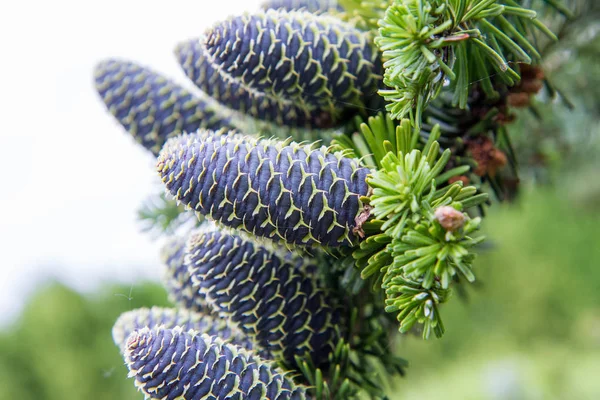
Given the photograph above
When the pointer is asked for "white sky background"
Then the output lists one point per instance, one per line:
(71, 178)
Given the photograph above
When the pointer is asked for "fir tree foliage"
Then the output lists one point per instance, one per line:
(427, 42)
(308, 257)
(160, 215)
(407, 244)
(364, 14)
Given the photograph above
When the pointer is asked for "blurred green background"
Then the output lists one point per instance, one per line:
(530, 328)
(61, 347)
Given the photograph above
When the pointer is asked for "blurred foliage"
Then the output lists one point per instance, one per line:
(61, 347)
(532, 328)
(561, 139)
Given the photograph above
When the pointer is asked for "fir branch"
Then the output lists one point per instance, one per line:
(375, 138)
(160, 215)
(405, 241)
(364, 14)
(435, 249)
(357, 368)
(426, 42)
(406, 181)
(415, 304)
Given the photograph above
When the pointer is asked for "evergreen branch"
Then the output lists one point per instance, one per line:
(364, 14)
(426, 42)
(405, 182)
(418, 238)
(376, 137)
(354, 367)
(164, 216)
(415, 304)
(436, 248)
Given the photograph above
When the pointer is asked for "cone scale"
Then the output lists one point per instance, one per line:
(273, 295)
(285, 192)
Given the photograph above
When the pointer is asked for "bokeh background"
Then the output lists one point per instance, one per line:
(74, 256)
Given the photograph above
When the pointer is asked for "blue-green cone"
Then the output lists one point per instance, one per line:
(151, 107)
(291, 192)
(272, 294)
(313, 6)
(171, 364)
(171, 317)
(300, 56)
(177, 279)
(215, 81)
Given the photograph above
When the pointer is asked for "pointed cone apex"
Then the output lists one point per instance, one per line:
(149, 106)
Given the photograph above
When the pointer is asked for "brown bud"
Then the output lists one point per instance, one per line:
(498, 157)
(539, 73)
(497, 160)
(480, 149)
(504, 118)
(465, 180)
(531, 86)
(519, 99)
(361, 219)
(531, 72)
(449, 218)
